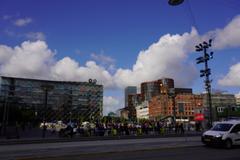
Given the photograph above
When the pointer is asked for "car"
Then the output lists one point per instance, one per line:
(226, 133)
(53, 126)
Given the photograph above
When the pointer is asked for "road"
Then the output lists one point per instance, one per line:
(183, 153)
(148, 148)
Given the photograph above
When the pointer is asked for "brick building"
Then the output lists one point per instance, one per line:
(186, 105)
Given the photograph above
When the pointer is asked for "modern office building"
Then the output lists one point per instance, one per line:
(133, 101)
(129, 90)
(154, 88)
(38, 100)
(220, 101)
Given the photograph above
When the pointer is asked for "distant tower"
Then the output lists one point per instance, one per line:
(129, 90)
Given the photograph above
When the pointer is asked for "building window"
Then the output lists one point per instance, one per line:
(220, 109)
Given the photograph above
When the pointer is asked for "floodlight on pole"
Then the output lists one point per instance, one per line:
(175, 2)
(206, 72)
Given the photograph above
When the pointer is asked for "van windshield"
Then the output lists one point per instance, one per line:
(222, 127)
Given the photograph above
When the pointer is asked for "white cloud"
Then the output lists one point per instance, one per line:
(110, 104)
(35, 36)
(35, 60)
(165, 58)
(229, 36)
(69, 69)
(105, 61)
(102, 58)
(225, 38)
(233, 76)
(23, 21)
(31, 59)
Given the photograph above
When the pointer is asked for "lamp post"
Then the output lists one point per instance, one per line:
(46, 88)
(175, 2)
(206, 72)
(172, 95)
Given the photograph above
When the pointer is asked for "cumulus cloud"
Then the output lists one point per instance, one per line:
(165, 58)
(35, 36)
(102, 58)
(69, 69)
(36, 60)
(31, 59)
(229, 36)
(233, 76)
(22, 22)
(105, 61)
(110, 104)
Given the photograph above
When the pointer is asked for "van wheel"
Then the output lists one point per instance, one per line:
(228, 144)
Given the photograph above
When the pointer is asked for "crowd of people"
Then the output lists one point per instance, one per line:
(99, 128)
(122, 129)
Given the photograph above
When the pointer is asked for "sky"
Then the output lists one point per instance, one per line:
(120, 42)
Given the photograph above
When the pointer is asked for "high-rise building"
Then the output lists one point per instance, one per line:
(49, 100)
(130, 90)
(154, 88)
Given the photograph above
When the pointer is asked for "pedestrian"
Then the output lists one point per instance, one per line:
(176, 128)
(181, 128)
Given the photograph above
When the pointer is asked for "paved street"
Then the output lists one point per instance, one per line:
(174, 148)
(186, 153)
(33, 151)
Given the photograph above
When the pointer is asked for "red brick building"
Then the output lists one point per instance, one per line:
(185, 103)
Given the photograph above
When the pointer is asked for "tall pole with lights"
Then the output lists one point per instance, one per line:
(206, 72)
(46, 88)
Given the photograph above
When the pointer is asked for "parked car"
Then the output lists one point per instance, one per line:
(226, 133)
(54, 126)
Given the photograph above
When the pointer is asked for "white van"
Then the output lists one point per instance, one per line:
(226, 133)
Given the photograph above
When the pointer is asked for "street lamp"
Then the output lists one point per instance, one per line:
(45, 88)
(175, 2)
(206, 72)
(172, 95)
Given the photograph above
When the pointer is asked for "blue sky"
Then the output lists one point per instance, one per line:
(116, 35)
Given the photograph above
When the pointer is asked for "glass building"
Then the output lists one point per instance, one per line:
(130, 90)
(32, 100)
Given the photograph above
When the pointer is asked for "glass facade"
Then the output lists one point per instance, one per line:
(129, 90)
(37, 100)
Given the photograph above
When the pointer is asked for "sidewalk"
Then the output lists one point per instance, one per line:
(54, 138)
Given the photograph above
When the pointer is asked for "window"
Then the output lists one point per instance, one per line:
(220, 109)
(222, 127)
(236, 128)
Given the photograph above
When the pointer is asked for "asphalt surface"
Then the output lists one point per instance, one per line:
(88, 148)
(182, 153)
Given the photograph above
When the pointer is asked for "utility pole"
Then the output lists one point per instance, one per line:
(172, 95)
(45, 88)
(206, 72)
